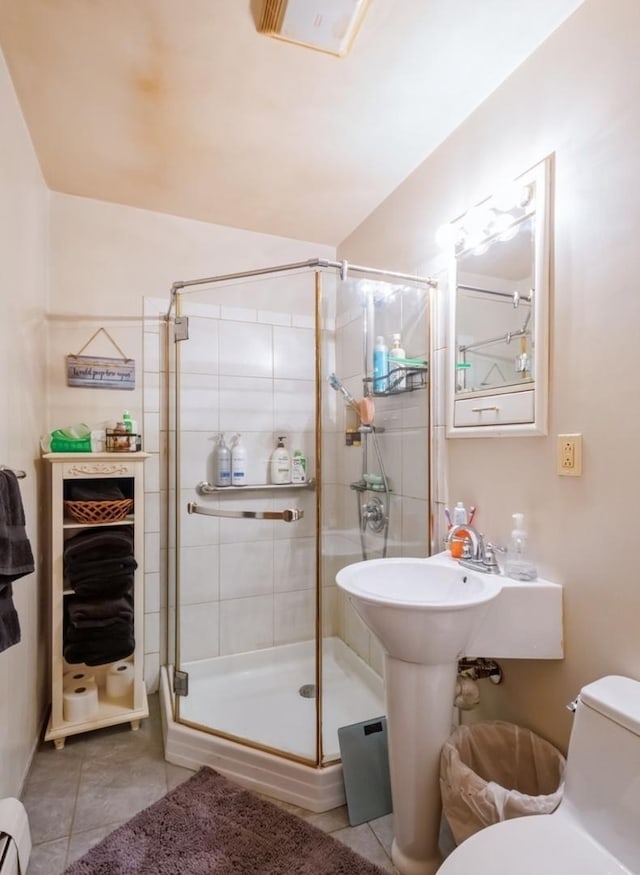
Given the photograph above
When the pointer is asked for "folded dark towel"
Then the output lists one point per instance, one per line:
(103, 587)
(16, 558)
(104, 543)
(9, 623)
(120, 629)
(101, 491)
(92, 613)
(100, 567)
(99, 652)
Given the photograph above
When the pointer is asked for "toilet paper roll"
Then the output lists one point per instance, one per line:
(119, 679)
(75, 678)
(80, 701)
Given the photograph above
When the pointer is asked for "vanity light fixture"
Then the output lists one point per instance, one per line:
(497, 218)
(326, 25)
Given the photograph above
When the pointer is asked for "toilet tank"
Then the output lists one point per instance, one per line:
(602, 782)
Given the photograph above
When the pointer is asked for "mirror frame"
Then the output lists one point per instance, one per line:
(489, 410)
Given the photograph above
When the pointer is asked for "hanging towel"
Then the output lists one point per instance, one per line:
(9, 623)
(16, 556)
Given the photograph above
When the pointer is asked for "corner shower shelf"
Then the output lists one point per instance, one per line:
(415, 378)
(204, 488)
(364, 487)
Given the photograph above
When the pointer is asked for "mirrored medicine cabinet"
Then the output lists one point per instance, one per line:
(499, 312)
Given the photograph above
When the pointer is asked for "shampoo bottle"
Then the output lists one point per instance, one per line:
(222, 463)
(517, 564)
(397, 378)
(280, 465)
(238, 462)
(380, 365)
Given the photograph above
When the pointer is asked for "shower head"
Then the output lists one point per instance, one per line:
(365, 408)
(336, 384)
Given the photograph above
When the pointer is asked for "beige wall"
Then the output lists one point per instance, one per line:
(23, 230)
(575, 97)
(105, 258)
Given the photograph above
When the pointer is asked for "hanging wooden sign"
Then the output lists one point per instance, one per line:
(101, 372)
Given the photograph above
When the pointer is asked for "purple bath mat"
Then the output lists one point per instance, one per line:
(211, 826)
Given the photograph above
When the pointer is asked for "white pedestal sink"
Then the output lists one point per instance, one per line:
(424, 614)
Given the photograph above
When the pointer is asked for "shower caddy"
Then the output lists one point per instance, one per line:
(64, 468)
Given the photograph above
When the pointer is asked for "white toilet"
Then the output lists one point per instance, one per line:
(596, 828)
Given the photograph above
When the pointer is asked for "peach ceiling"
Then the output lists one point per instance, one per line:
(181, 106)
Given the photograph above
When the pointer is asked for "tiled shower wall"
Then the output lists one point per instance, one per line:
(245, 584)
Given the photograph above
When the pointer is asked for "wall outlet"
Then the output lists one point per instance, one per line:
(570, 455)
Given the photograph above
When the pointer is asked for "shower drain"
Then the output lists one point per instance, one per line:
(308, 691)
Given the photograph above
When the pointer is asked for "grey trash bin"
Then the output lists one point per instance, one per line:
(493, 771)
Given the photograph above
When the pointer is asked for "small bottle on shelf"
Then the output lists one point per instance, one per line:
(299, 467)
(280, 465)
(238, 462)
(397, 375)
(222, 462)
(380, 365)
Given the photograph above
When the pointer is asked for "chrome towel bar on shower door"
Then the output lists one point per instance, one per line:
(290, 515)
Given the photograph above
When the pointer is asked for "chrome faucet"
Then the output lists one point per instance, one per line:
(475, 554)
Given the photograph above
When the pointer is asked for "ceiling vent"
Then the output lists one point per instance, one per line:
(326, 25)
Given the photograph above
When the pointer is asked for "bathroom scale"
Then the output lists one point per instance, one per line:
(365, 769)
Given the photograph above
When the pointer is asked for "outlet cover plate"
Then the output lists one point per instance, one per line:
(569, 455)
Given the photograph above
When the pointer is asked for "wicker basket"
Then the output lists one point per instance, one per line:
(98, 511)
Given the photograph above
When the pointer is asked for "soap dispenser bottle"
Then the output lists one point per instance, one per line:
(238, 462)
(517, 564)
(222, 462)
(280, 465)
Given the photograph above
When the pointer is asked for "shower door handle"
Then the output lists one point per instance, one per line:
(290, 515)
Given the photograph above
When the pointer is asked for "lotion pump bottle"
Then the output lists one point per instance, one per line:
(238, 462)
(517, 565)
(222, 462)
(280, 465)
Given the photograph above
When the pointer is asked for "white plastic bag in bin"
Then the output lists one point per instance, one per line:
(493, 771)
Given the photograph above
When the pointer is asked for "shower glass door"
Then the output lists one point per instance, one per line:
(266, 650)
(376, 495)
(246, 613)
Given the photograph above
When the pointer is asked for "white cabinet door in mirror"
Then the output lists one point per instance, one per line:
(497, 380)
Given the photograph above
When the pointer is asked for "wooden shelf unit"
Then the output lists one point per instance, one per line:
(63, 468)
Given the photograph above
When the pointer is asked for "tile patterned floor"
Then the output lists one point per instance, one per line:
(78, 795)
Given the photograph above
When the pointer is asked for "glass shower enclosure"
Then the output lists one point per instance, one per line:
(262, 648)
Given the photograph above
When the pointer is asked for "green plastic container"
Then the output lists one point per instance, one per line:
(70, 445)
(75, 439)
